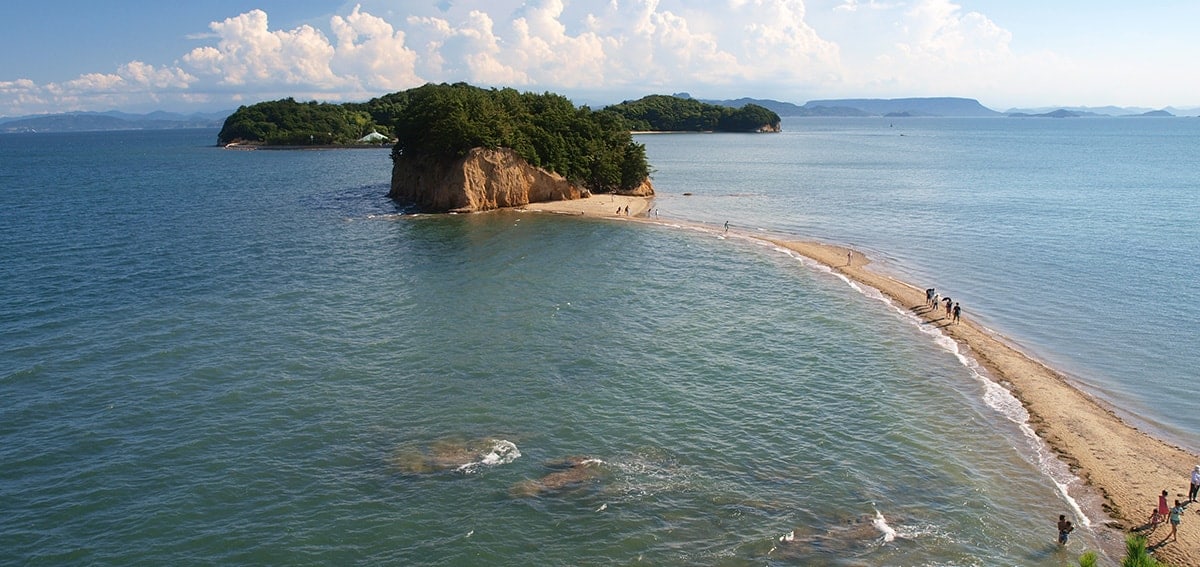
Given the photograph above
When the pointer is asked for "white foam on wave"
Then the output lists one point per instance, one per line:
(502, 452)
(880, 523)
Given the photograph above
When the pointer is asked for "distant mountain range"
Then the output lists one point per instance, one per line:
(111, 120)
(853, 107)
(933, 106)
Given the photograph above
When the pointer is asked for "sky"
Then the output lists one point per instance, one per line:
(145, 55)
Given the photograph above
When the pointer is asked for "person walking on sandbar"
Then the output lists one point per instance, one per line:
(1176, 517)
(1195, 484)
(957, 311)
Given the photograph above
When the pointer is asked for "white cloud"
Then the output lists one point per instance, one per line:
(371, 52)
(249, 53)
(619, 48)
(133, 81)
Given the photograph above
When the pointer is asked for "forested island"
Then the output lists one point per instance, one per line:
(663, 113)
(592, 149)
(461, 147)
(289, 123)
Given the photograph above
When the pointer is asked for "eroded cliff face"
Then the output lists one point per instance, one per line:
(484, 179)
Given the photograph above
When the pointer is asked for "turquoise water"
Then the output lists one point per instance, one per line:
(213, 356)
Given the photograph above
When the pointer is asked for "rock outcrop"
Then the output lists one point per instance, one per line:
(484, 179)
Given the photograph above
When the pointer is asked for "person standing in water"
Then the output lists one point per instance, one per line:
(1064, 529)
(726, 226)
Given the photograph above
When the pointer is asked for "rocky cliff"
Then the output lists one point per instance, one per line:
(484, 179)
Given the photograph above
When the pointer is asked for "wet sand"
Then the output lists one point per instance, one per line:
(1126, 466)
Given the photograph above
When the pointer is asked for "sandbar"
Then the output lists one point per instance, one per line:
(596, 206)
(1127, 467)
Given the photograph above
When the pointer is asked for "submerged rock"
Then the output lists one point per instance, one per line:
(455, 455)
(573, 473)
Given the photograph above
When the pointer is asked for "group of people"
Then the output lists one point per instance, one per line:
(1161, 513)
(933, 299)
(1174, 514)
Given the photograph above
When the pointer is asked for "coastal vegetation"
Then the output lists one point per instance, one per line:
(289, 123)
(671, 113)
(591, 148)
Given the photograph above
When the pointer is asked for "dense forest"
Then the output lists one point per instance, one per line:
(669, 113)
(290, 123)
(592, 148)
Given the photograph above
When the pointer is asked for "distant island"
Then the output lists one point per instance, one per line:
(863, 107)
(1064, 113)
(110, 121)
(663, 113)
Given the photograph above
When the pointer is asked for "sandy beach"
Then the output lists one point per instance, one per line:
(1126, 466)
(596, 206)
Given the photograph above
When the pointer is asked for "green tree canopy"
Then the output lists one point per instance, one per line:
(593, 149)
(290, 123)
(669, 113)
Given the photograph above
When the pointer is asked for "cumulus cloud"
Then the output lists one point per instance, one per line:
(937, 48)
(132, 82)
(250, 53)
(371, 53)
(767, 48)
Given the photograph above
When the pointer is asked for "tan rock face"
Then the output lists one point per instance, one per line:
(483, 180)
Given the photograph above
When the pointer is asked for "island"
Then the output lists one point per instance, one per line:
(664, 113)
(462, 148)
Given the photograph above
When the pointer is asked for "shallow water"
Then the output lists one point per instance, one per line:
(250, 357)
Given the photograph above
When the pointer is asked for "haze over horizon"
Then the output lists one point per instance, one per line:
(184, 57)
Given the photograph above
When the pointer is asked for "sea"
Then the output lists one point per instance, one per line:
(211, 356)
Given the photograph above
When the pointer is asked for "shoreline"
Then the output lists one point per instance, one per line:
(1126, 466)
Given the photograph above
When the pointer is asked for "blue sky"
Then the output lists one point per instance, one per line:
(149, 55)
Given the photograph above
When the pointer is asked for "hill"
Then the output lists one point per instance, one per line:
(663, 113)
(858, 107)
(461, 146)
(935, 106)
(786, 108)
(106, 121)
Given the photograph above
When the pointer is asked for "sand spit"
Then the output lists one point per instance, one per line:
(1125, 465)
(1128, 467)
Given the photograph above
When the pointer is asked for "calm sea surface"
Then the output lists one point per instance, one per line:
(224, 357)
